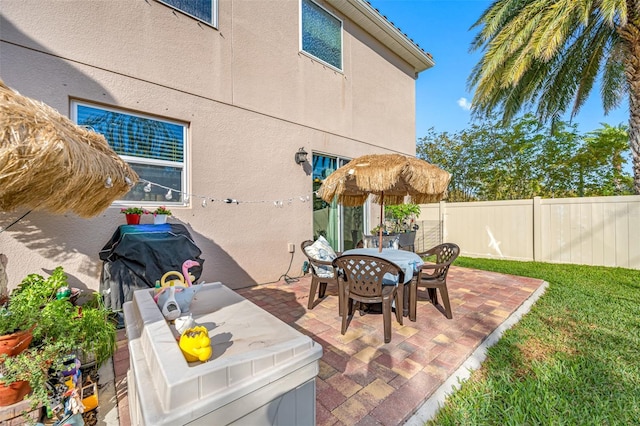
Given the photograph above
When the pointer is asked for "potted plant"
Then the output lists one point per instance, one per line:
(160, 215)
(60, 329)
(133, 214)
(376, 230)
(402, 218)
(398, 214)
(19, 317)
(21, 312)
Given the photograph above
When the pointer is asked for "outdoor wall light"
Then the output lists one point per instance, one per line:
(301, 156)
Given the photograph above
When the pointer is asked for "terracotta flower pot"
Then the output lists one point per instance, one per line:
(13, 393)
(132, 219)
(13, 344)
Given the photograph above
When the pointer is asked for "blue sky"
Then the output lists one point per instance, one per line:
(441, 27)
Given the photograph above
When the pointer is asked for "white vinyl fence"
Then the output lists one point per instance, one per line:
(590, 231)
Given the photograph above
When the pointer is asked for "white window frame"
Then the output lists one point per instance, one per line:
(214, 13)
(304, 52)
(148, 161)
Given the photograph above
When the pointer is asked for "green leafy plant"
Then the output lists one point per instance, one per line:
(23, 308)
(60, 329)
(162, 210)
(399, 214)
(133, 210)
(376, 230)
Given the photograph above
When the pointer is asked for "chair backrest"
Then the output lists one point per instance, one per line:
(365, 275)
(303, 246)
(445, 254)
(407, 240)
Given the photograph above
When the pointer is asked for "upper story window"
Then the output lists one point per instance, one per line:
(321, 34)
(154, 148)
(203, 10)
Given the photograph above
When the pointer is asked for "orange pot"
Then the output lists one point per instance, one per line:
(13, 344)
(13, 393)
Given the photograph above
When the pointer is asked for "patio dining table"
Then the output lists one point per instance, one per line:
(409, 261)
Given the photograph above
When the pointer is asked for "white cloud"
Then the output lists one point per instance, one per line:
(464, 104)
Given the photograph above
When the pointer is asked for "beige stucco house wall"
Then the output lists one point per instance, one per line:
(250, 98)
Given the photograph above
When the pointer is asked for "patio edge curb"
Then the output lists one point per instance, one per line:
(430, 407)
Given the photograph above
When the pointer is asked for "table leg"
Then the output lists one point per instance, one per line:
(403, 294)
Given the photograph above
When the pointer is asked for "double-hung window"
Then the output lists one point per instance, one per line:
(203, 10)
(321, 34)
(154, 148)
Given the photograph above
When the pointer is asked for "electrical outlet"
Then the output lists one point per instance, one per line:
(291, 247)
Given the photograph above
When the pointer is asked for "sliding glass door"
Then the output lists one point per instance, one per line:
(342, 226)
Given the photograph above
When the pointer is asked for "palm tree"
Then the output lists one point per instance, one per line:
(549, 53)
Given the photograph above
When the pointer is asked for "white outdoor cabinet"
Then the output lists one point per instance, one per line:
(262, 371)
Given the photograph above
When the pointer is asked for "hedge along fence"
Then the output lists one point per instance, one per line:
(591, 230)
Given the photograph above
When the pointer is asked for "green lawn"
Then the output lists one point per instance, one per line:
(574, 359)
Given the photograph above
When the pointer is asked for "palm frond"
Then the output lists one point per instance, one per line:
(558, 24)
(594, 56)
(546, 53)
(614, 12)
(614, 84)
(494, 18)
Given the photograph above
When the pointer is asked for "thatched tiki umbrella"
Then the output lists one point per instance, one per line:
(390, 178)
(49, 163)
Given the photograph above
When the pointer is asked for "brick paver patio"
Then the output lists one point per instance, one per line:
(364, 381)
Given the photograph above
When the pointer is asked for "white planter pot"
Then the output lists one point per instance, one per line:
(160, 219)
